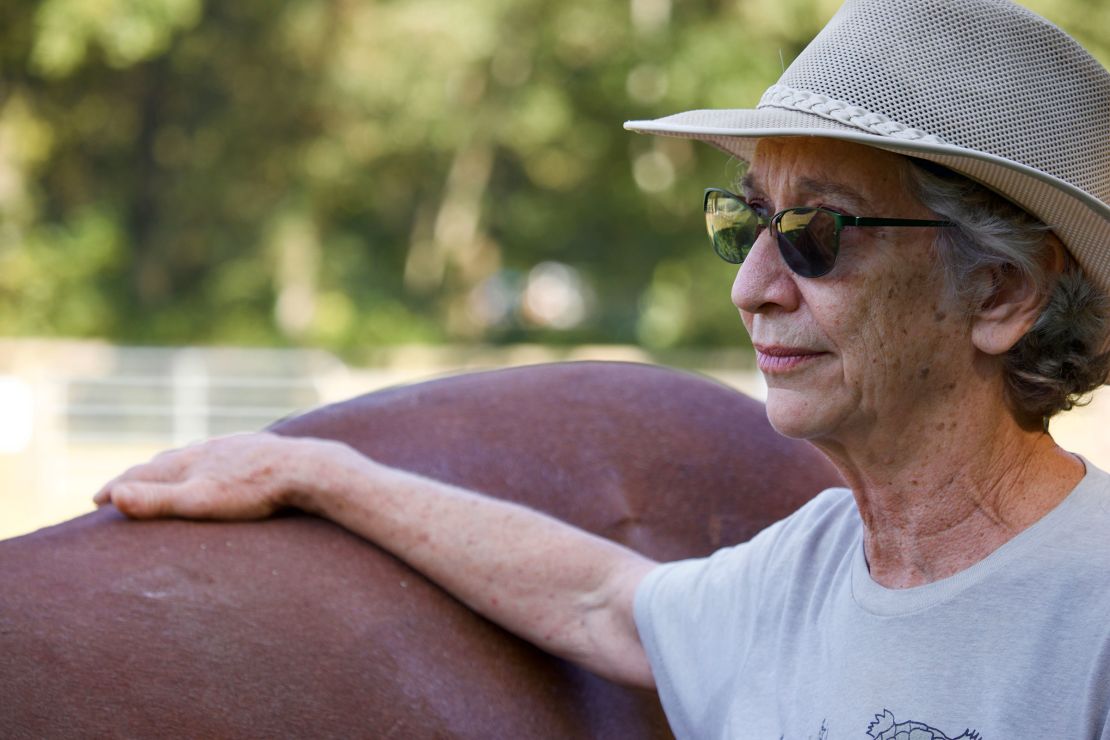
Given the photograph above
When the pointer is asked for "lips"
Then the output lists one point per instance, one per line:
(775, 358)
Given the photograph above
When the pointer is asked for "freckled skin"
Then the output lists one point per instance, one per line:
(907, 394)
(868, 314)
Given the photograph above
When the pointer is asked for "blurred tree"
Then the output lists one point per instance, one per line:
(350, 174)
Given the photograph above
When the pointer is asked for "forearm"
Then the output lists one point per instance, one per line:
(566, 590)
(561, 588)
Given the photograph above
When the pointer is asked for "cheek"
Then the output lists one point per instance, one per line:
(912, 336)
(904, 329)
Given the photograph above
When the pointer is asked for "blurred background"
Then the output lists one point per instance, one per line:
(216, 214)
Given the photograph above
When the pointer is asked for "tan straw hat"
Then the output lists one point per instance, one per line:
(984, 87)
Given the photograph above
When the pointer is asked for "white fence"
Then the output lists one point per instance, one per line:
(74, 414)
(78, 413)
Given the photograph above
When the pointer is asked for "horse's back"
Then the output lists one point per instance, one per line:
(294, 627)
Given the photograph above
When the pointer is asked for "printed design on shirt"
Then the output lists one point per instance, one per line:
(885, 727)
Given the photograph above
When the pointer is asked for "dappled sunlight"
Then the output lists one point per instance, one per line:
(555, 296)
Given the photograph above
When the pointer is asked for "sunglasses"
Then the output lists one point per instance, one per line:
(808, 237)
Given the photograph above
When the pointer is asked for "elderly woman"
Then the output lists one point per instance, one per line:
(924, 240)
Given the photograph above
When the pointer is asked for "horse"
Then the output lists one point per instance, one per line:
(294, 627)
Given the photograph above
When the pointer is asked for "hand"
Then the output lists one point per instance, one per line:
(242, 476)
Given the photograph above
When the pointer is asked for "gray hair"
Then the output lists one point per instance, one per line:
(1060, 360)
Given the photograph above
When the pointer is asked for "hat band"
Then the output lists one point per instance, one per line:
(787, 98)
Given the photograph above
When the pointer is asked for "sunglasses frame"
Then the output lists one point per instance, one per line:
(840, 221)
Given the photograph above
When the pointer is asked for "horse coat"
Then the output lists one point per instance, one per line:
(293, 627)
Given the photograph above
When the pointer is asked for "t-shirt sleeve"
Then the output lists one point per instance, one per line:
(678, 609)
(697, 618)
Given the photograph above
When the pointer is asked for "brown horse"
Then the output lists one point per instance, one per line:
(293, 627)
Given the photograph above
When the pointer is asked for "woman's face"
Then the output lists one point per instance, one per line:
(874, 345)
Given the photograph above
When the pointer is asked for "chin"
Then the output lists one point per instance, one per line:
(794, 414)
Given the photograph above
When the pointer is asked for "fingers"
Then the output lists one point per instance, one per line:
(143, 500)
(191, 499)
(106, 494)
(165, 467)
(235, 477)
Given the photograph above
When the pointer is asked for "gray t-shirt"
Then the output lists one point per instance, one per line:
(787, 636)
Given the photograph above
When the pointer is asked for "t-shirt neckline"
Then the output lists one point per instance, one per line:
(891, 602)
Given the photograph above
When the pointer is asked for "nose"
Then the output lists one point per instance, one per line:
(764, 282)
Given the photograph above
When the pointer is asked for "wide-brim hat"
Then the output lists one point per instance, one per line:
(983, 87)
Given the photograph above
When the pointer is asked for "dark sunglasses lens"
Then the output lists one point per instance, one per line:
(807, 239)
(732, 226)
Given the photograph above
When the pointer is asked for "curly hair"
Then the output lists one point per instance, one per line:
(1060, 359)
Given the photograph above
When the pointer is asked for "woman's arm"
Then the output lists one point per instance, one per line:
(563, 589)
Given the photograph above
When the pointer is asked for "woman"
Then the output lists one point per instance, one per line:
(916, 326)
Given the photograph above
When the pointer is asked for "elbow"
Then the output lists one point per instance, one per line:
(609, 642)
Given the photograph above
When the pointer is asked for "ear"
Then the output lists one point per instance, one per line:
(1015, 303)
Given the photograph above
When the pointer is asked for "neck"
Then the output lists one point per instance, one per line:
(939, 498)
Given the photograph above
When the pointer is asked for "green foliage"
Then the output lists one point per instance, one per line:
(355, 174)
(125, 31)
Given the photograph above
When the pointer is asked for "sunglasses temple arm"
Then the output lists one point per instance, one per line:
(865, 221)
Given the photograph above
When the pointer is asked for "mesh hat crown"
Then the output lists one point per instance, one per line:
(984, 87)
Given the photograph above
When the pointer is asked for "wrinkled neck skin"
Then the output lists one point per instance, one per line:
(941, 489)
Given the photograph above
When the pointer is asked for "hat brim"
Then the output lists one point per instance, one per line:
(1079, 219)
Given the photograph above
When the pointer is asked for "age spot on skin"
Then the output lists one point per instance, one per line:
(923, 373)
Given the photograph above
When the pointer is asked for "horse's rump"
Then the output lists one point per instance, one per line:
(294, 627)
